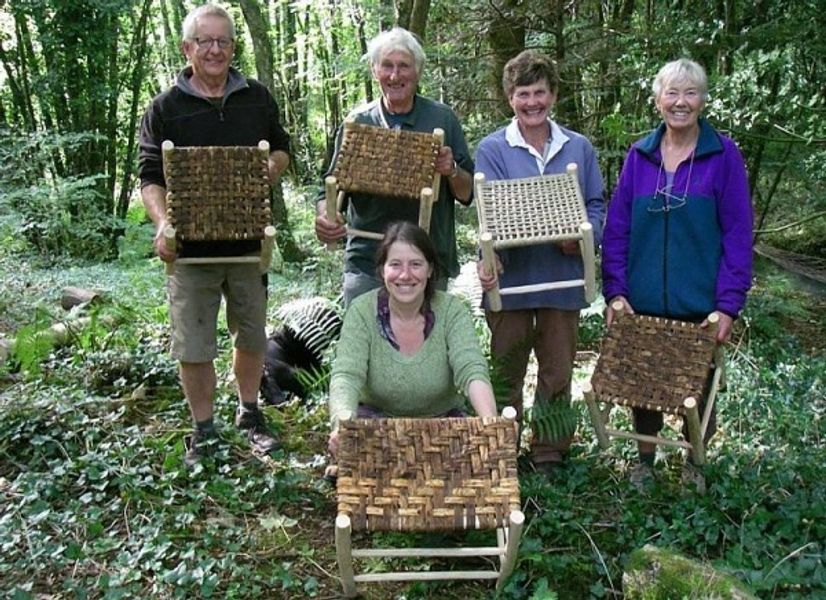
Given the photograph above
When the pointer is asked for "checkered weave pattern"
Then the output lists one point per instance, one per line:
(531, 210)
(653, 363)
(386, 162)
(427, 474)
(217, 193)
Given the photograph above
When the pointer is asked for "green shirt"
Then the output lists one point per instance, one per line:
(431, 382)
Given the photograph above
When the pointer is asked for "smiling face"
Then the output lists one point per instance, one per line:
(396, 73)
(405, 273)
(531, 104)
(210, 64)
(680, 103)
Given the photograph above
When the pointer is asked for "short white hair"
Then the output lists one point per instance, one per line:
(682, 69)
(395, 39)
(205, 10)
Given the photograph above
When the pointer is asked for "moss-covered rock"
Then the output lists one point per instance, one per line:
(660, 574)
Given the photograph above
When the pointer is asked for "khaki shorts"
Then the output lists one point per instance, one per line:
(194, 294)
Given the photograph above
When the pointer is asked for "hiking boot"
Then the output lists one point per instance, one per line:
(641, 477)
(197, 446)
(692, 476)
(260, 438)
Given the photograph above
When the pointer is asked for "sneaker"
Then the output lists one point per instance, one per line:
(259, 436)
(692, 477)
(641, 477)
(197, 446)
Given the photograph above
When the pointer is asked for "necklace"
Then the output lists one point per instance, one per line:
(664, 200)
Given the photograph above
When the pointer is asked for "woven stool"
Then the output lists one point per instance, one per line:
(218, 193)
(428, 475)
(656, 364)
(529, 211)
(391, 164)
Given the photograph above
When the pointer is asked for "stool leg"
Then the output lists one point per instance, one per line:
(344, 554)
(330, 204)
(596, 415)
(588, 261)
(266, 248)
(425, 208)
(515, 523)
(695, 436)
(489, 260)
(171, 245)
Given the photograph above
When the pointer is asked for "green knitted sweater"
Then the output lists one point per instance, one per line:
(431, 382)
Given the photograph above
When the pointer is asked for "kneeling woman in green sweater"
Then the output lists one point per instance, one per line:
(406, 349)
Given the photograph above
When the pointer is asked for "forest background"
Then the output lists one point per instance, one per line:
(92, 500)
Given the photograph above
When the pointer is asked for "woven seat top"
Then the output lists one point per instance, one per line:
(427, 474)
(531, 210)
(386, 162)
(653, 363)
(217, 192)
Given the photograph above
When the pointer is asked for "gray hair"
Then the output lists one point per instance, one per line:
(682, 69)
(395, 39)
(205, 10)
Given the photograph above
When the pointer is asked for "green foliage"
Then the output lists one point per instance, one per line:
(57, 215)
(553, 419)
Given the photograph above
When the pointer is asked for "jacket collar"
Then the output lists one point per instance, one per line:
(707, 142)
(235, 82)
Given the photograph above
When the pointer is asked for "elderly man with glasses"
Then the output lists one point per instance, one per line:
(212, 104)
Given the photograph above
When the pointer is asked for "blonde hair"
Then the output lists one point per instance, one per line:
(682, 69)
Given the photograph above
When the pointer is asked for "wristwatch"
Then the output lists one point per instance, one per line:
(455, 171)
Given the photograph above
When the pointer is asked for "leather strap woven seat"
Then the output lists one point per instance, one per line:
(428, 475)
(656, 364)
(391, 164)
(529, 211)
(218, 193)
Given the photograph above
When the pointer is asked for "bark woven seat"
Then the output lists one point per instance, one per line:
(530, 211)
(391, 164)
(428, 475)
(656, 364)
(218, 193)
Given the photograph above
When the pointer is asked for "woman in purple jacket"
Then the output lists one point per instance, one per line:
(678, 235)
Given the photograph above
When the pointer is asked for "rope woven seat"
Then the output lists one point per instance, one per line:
(656, 364)
(218, 193)
(534, 210)
(428, 475)
(391, 164)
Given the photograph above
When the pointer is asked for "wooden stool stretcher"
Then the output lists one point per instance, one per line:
(428, 475)
(657, 364)
(386, 163)
(529, 211)
(218, 193)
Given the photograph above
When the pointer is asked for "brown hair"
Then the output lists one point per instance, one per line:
(529, 67)
(409, 233)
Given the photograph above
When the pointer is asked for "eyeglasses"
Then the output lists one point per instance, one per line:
(665, 201)
(205, 44)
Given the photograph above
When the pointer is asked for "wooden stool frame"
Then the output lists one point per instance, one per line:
(385, 162)
(529, 211)
(236, 175)
(418, 482)
(674, 390)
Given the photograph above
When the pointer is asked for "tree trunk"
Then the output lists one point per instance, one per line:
(506, 36)
(138, 48)
(261, 46)
(418, 18)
